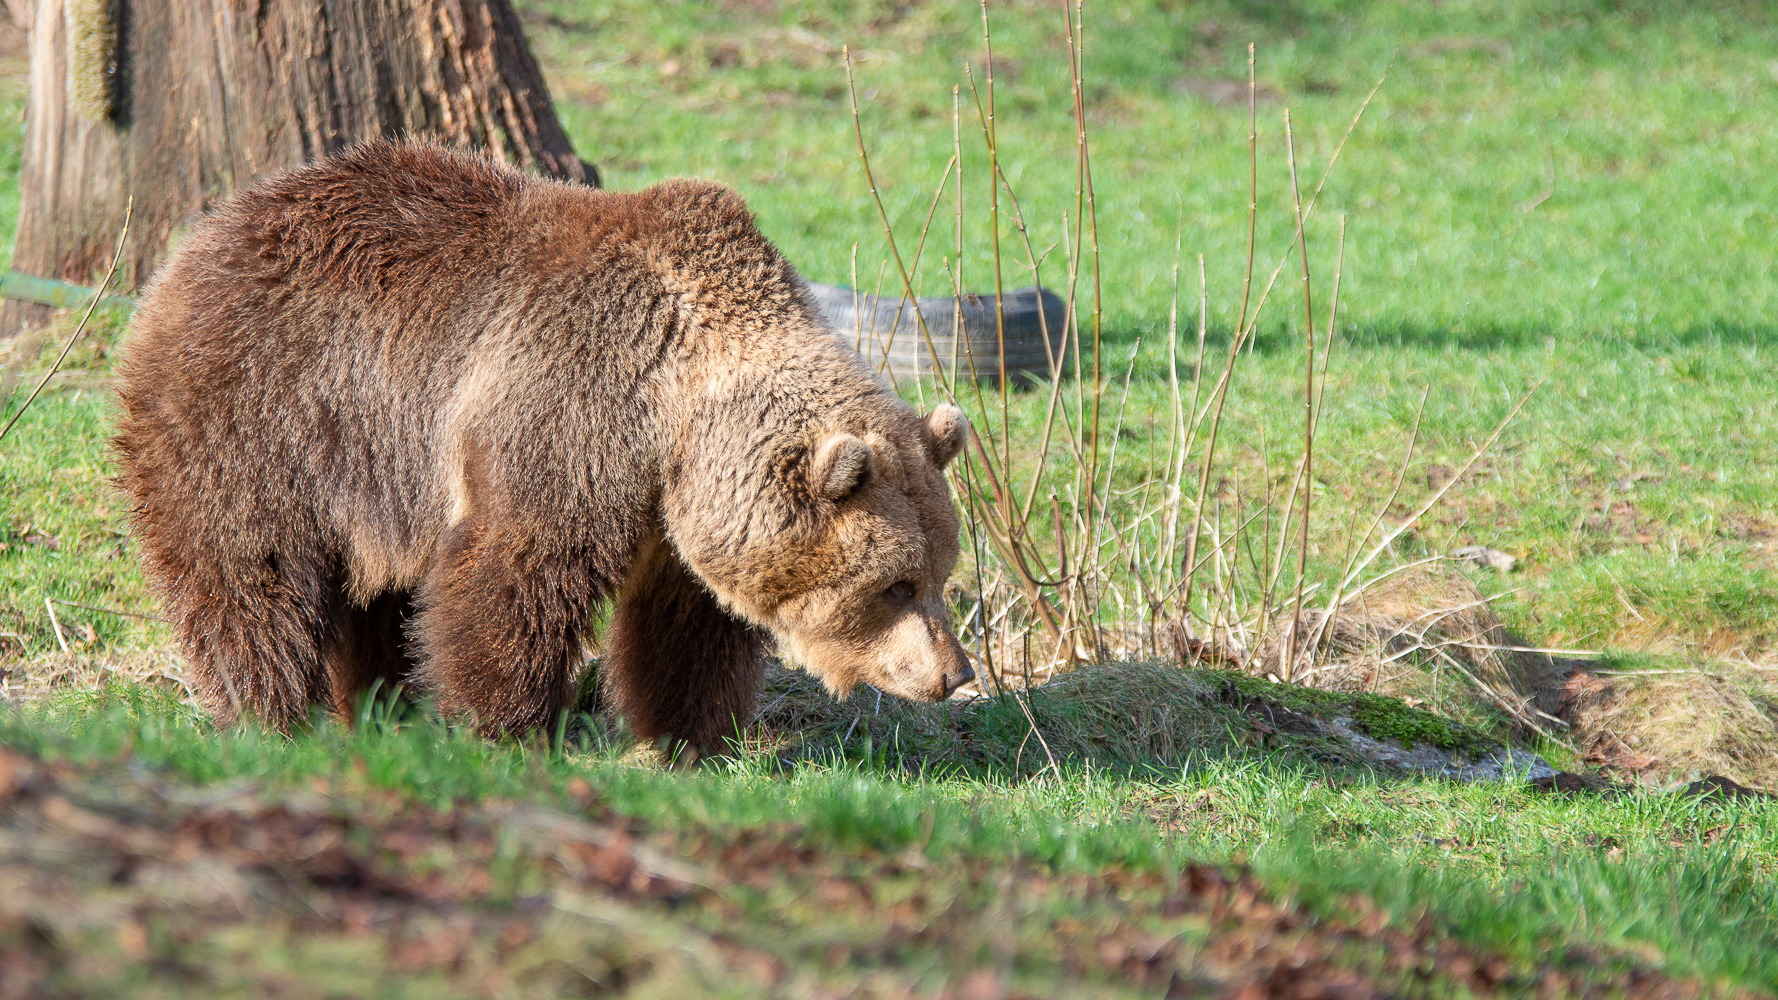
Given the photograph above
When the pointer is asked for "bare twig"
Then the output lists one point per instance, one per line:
(98, 293)
(1302, 242)
(56, 625)
(110, 611)
(1252, 185)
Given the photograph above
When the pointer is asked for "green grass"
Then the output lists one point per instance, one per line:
(1627, 488)
(1658, 230)
(63, 533)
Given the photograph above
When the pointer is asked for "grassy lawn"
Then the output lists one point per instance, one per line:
(1572, 190)
(1658, 229)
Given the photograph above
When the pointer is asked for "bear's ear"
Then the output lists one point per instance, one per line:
(945, 428)
(841, 466)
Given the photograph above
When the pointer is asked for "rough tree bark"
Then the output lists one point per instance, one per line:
(181, 102)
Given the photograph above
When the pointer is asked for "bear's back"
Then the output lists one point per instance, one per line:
(408, 240)
(385, 219)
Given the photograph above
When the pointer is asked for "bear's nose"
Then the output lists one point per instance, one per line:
(958, 678)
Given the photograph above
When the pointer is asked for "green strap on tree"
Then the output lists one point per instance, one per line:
(61, 294)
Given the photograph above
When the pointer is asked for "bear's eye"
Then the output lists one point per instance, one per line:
(902, 591)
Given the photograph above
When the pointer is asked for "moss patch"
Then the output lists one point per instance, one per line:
(1384, 718)
(1377, 716)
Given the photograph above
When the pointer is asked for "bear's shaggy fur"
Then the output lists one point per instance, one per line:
(405, 415)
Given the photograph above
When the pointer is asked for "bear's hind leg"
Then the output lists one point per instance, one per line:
(250, 628)
(499, 629)
(368, 650)
(677, 664)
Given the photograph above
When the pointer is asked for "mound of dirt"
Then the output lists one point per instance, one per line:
(1124, 715)
(1117, 715)
(1668, 725)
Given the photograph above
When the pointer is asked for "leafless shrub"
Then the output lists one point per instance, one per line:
(1073, 566)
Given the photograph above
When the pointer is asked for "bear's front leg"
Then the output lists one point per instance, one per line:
(677, 664)
(499, 629)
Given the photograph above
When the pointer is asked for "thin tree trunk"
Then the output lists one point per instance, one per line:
(182, 102)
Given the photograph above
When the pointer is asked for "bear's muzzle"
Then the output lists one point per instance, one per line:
(957, 678)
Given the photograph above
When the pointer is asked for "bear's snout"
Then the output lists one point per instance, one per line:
(957, 678)
(916, 657)
(950, 654)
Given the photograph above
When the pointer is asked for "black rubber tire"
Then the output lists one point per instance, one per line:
(889, 337)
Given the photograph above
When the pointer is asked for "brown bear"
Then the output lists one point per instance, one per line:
(404, 415)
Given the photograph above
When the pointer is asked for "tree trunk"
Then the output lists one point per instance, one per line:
(182, 102)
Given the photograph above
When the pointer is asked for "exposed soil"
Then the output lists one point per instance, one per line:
(113, 882)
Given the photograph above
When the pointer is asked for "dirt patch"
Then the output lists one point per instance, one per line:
(1623, 523)
(226, 891)
(1224, 92)
(119, 884)
(1745, 526)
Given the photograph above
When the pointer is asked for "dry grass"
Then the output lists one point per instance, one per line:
(32, 679)
(1660, 726)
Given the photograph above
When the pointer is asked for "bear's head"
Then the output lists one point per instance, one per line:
(851, 580)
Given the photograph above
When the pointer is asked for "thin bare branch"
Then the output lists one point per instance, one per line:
(80, 328)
